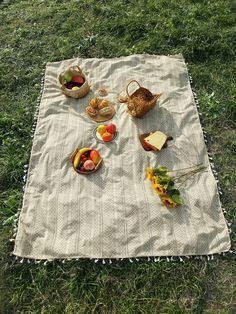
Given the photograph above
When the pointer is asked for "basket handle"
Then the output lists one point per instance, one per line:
(79, 69)
(75, 67)
(129, 84)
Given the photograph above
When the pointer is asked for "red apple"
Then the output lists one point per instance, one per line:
(95, 156)
(111, 128)
(77, 79)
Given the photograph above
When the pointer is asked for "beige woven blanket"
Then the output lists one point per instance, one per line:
(114, 213)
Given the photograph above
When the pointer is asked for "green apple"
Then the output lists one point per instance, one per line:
(68, 77)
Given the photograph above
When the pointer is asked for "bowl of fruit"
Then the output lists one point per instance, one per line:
(86, 160)
(105, 133)
(74, 83)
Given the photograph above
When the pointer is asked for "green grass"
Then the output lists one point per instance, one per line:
(36, 31)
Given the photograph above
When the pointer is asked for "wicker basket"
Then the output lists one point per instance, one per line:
(141, 101)
(72, 157)
(82, 91)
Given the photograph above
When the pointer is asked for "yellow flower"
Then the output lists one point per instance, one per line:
(149, 173)
(154, 181)
(159, 189)
(168, 202)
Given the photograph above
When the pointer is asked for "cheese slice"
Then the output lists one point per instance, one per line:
(156, 140)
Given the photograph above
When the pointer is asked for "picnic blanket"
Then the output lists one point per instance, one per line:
(114, 212)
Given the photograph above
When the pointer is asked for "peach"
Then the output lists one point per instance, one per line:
(89, 165)
(95, 156)
(107, 137)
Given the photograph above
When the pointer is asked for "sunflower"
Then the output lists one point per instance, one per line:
(168, 202)
(149, 173)
(159, 189)
(154, 181)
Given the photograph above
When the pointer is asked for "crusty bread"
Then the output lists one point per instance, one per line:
(94, 102)
(105, 111)
(103, 103)
(91, 111)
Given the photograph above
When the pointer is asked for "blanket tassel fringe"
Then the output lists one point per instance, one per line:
(26, 167)
(206, 140)
(102, 261)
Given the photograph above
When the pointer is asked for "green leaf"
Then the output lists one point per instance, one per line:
(164, 179)
(174, 192)
(163, 169)
(177, 199)
(160, 171)
(170, 185)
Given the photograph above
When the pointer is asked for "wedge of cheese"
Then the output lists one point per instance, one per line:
(156, 140)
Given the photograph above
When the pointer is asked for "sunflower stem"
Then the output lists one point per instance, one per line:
(177, 170)
(188, 176)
